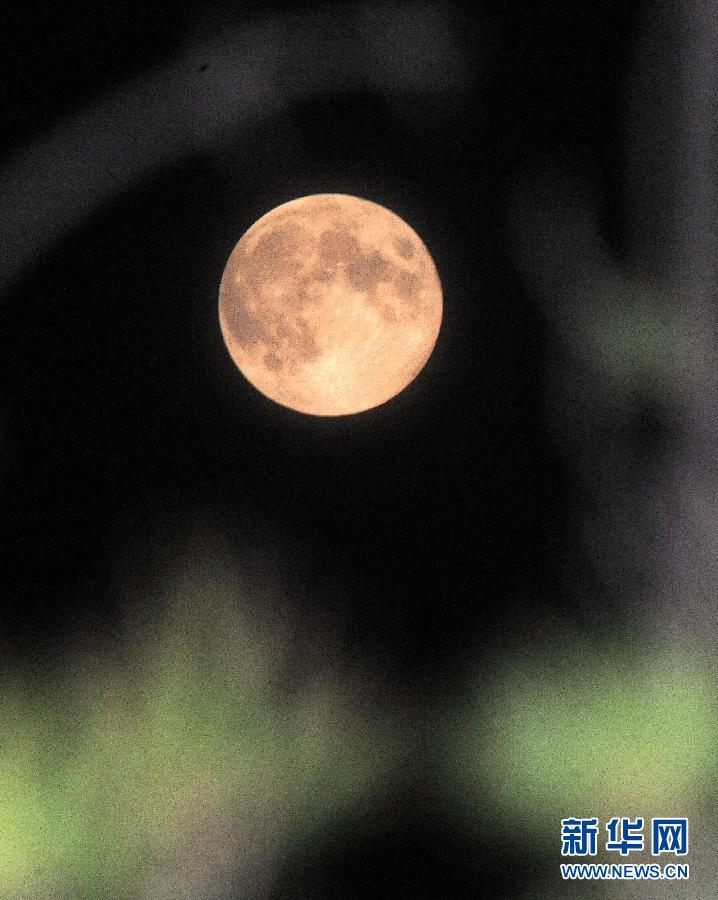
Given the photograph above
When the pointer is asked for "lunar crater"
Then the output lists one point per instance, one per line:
(409, 285)
(404, 248)
(273, 362)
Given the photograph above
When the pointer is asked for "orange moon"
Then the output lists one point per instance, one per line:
(330, 304)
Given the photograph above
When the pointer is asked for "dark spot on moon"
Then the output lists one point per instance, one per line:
(367, 270)
(408, 285)
(285, 338)
(323, 274)
(272, 361)
(284, 332)
(301, 295)
(303, 341)
(245, 326)
(274, 255)
(338, 246)
(404, 247)
(388, 312)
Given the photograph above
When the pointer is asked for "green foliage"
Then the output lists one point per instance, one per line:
(152, 758)
(578, 733)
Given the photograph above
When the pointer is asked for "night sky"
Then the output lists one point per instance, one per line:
(441, 513)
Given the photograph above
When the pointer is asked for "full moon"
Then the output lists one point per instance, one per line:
(330, 304)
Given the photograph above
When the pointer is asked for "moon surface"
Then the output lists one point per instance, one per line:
(330, 304)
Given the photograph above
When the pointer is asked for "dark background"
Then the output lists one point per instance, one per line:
(442, 512)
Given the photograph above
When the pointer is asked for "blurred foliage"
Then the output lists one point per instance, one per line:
(211, 737)
(179, 752)
(578, 730)
(648, 343)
